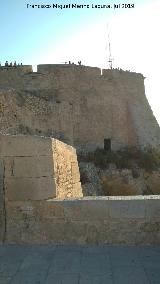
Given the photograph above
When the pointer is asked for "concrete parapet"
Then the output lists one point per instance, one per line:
(124, 220)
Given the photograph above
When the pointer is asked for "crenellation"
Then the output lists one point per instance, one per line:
(17, 68)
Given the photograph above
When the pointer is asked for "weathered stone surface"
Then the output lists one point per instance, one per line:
(39, 188)
(124, 209)
(2, 201)
(23, 145)
(35, 166)
(38, 168)
(66, 171)
(152, 209)
(91, 210)
(84, 221)
(78, 105)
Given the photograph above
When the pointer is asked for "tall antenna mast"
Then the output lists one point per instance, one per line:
(110, 59)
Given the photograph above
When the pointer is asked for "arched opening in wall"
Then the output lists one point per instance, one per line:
(107, 144)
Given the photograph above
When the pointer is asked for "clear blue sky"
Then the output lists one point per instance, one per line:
(27, 33)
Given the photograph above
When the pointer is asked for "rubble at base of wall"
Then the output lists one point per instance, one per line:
(139, 180)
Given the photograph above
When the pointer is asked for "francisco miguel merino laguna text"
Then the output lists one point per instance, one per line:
(82, 6)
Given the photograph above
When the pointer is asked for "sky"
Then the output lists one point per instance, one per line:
(54, 35)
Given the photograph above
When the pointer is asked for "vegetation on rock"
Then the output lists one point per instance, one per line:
(116, 187)
(127, 158)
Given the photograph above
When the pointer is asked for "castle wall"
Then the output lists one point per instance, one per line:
(12, 77)
(79, 106)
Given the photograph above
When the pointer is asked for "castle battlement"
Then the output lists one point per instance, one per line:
(68, 68)
(17, 68)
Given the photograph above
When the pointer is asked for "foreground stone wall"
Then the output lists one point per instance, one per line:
(78, 105)
(109, 220)
(34, 170)
(2, 201)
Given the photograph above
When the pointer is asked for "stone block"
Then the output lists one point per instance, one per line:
(86, 210)
(51, 210)
(97, 232)
(126, 209)
(37, 158)
(39, 166)
(77, 190)
(1, 168)
(152, 208)
(30, 188)
(23, 145)
(75, 172)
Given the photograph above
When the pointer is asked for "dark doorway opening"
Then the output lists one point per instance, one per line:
(107, 144)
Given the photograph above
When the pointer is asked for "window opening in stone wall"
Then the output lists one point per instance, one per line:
(107, 144)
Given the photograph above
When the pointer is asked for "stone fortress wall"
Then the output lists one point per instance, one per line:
(81, 107)
(78, 105)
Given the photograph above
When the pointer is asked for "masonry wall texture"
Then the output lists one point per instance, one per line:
(2, 202)
(35, 168)
(104, 220)
(77, 105)
(38, 168)
(41, 200)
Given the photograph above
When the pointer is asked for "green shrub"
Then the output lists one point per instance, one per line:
(148, 158)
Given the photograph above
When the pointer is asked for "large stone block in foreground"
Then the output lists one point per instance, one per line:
(38, 168)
